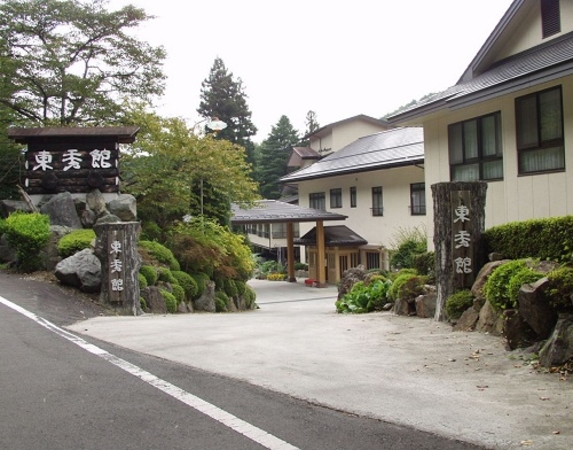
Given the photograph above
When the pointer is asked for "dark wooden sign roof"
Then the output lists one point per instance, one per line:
(123, 135)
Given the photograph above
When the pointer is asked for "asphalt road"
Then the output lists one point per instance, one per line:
(59, 391)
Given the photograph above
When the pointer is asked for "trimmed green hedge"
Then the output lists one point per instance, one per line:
(546, 239)
(75, 241)
(161, 253)
(28, 233)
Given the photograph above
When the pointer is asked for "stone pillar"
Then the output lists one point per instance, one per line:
(116, 248)
(459, 222)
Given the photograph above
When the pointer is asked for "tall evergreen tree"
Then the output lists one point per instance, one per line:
(312, 125)
(273, 157)
(224, 97)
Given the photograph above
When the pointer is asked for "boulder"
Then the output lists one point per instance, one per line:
(490, 321)
(95, 202)
(467, 321)
(7, 252)
(401, 307)
(559, 348)
(109, 218)
(349, 277)
(49, 253)
(124, 207)
(517, 331)
(426, 305)
(154, 299)
(535, 309)
(82, 270)
(61, 210)
(207, 300)
(7, 207)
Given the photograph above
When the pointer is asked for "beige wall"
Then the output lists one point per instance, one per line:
(343, 134)
(515, 198)
(396, 198)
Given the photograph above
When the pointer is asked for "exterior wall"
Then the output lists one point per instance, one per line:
(396, 199)
(342, 134)
(516, 197)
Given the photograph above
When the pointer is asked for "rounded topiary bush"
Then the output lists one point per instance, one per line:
(231, 288)
(170, 300)
(221, 301)
(179, 293)
(250, 297)
(496, 288)
(142, 281)
(201, 279)
(166, 275)
(407, 285)
(560, 290)
(241, 286)
(159, 252)
(524, 276)
(459, 302)
(187, 282)
(75, 241)
(28, 233)
(150, 274)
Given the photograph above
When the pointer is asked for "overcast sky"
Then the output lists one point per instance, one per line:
(338, 59)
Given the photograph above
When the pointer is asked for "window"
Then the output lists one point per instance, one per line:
(418, 199)
(372, 260)
(377, 205)
(550, 17)
(336, 198)
(475, 149)
(353, 197)
(316, 200)
(539, 129)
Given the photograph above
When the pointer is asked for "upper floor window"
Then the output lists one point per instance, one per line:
(539, 129)
(377, 204)
(336, 198)
(316, 200)
(475, 149)
(550, 17)
(418, 199)
(353, 197)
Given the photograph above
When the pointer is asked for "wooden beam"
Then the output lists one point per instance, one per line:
(320, 254)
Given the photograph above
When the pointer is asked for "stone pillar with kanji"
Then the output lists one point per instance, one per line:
(459, 223)
(116, 248)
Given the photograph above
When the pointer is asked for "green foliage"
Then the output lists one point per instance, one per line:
(201, 281)
(179, 293)
(241, 286)
(3, 226)
(408, 244)
(170, 300)
(546, 239)
(150, 273)
(166, 276)
(407, 285)
(425, 264)
(205, 246)
(143, 304)
(249, 296)
(459, 302)
(273, 156)
(560, 289)
(364, 298)
(300, 266)
(502, 286)
(230, 288)
(187, 282)
(276, 276)
(221, 301)
(160, 253)
(142, 281)
(75, 241)
(49, 41)
(28, 234)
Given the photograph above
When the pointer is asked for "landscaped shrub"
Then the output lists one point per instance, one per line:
(201, 279)
(249, 296)
(178, 293)
(142, 281)
(159, 252)
(75, 241)
(459, 302)
(241, 286)
(425, 264)
(409, 243)
(560, 289)
(170, 300)
(150, 274)
(221, 300)
(231, 288)
(28, 234)
(2, 226)
(407, 285)
(166, 275)
(275, 276)
(497, 287)
(524, 276)
(187, 282)
(546, 239)
(300, 266)
(364, 298)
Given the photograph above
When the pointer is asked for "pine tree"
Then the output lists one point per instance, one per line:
(225, 98)
(273, 157)
(312, 125)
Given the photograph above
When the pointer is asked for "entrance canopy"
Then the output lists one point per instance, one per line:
(274, 211)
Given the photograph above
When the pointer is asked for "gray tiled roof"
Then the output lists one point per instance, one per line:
(334, 235)
(274, 211)
(556, 56)
(390, 148)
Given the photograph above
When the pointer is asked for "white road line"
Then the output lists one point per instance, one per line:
(257, 435)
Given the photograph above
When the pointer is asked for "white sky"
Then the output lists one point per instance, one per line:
(338, 59)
